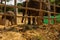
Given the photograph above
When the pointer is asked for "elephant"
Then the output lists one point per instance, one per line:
(33, 4)
(9, 17)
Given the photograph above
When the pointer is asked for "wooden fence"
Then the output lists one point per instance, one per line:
(40, 10)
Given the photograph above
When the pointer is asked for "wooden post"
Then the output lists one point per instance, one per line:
(39, 22)
(54, 13)
(5, 13)
(5, 7)
(1, 3)
(49, 14)
(15, 11)
(26, 10)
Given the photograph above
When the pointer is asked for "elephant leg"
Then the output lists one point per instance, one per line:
(22, 18)
(12, 20)
(29, 20)
(33, 21)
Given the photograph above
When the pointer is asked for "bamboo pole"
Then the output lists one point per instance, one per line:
(55, 14)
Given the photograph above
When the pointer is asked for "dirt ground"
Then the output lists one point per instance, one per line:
(29, 32)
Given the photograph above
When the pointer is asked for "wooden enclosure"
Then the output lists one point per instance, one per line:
(41, 12)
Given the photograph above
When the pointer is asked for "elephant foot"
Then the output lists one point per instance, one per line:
(33, 23)
(22, 21)
(29, 23)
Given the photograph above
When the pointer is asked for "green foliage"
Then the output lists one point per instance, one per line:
(56, 1)
(19, 4)
(58, 18)
(8, 8)
(52, 1)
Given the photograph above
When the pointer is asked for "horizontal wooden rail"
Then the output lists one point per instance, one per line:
(30, 9)
(22, 16)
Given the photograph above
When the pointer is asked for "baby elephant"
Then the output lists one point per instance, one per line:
(9, 17)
